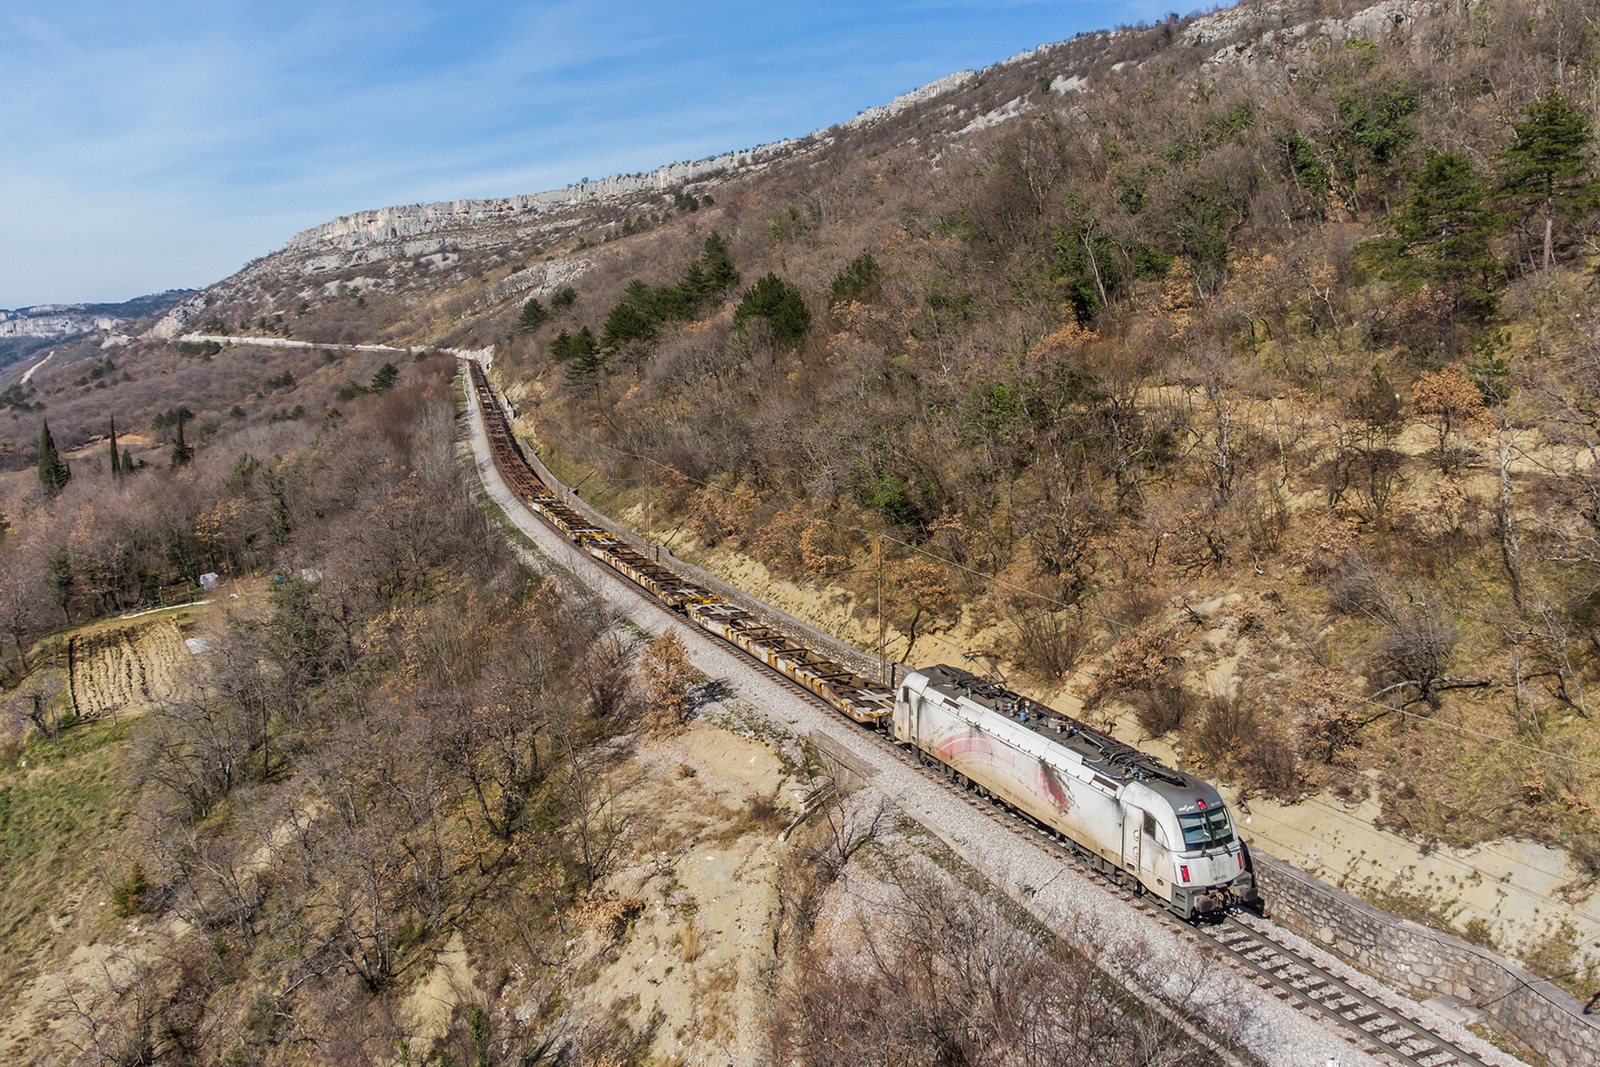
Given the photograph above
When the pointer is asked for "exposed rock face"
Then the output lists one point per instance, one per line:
(52, 320)
(172, 325)
(1273, 53)
(405, 228)
(391, 224)
(21, 327)
(915, 96)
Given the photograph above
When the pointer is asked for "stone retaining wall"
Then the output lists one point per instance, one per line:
(1533, 1011)
(1530, 1009)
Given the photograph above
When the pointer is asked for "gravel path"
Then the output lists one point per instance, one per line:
(1161, 958)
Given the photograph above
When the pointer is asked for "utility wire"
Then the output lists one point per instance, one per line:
(1476, 733)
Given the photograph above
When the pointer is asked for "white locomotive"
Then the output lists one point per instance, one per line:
(1150, 827)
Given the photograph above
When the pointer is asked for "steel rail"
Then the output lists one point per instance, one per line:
(1395, 1034)
(1402, 1037)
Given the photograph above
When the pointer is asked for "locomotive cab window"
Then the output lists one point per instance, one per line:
(1206, 829)
(1149, 824)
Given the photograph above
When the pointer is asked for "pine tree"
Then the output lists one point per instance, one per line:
(1441, 234)
(565, 346)
(1545, 169)
(116, 457)
(53, 470)
(533, 316)
(783, 307)
(587, 364)
(720, 273)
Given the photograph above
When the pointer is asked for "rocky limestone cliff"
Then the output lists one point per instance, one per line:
(31, 322)
(389, 224)
(1269, 32)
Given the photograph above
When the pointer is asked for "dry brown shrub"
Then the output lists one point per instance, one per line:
(763, 811)
(1045, 643)
(689, 942)
(673, 490)
(1136, 604)
(822, 549)
(1322, 539)
(1136, 664)
(1447, 400)
(668, 675)
(609, 916)
(1237, 739)
(1065, 341)
(777, 543)
(1164, 707)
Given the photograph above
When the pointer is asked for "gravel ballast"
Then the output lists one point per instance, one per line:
(1156, 954)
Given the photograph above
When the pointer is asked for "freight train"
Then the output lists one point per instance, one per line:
(1143, 824)
(1149, 827)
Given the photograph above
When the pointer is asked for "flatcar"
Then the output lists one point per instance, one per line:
(1155, 829)
(1144, 824)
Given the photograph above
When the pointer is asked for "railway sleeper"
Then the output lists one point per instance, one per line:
(513, 465)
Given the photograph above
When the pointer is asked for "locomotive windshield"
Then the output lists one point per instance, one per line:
(1206, 829)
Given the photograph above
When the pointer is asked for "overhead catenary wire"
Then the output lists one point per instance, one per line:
(1045, 597)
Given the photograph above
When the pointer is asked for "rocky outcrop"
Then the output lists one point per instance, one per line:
(342, 240)
(394, 224)
(916, 96)
(48, 321)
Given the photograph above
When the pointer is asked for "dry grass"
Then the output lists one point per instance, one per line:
(57, 815)
(689, 942)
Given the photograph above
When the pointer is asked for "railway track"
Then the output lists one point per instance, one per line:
(1297, 978)
(1374, 1027)
(1367, 1023)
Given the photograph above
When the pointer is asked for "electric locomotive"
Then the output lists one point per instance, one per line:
(1155, 829)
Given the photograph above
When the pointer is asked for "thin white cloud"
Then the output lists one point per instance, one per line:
(152, 145)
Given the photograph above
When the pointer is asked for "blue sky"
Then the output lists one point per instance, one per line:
(149, 146)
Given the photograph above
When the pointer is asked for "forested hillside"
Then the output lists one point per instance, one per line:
(1300, 318)
(1237, 376)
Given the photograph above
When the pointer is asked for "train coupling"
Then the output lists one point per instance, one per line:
(1243, 890)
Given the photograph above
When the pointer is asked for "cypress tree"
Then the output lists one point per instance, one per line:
(47, 457)
(116, 457)
(127, 461)
(53, 470)
(181, 453)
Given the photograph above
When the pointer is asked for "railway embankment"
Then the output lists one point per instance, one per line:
(1540, 1015)
(1153, 950)
(1403, 953)
(846, 654)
